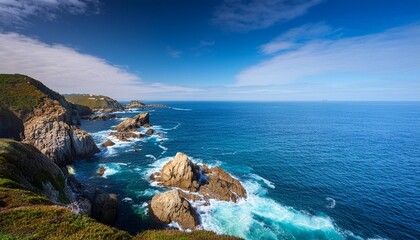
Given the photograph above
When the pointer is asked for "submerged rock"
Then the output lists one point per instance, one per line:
(108, 143)
(171, 206)
(131, 124)
(101, 171)
(150, 131)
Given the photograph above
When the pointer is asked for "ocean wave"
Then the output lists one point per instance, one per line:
(147, 193)
(111, 168)
(265, 181)
(263, 218)
(150, 156)
(181, 109)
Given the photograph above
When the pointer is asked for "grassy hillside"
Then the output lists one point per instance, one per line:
(94, 102)
(19, 92)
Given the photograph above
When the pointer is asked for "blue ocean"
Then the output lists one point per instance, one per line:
(312, 170)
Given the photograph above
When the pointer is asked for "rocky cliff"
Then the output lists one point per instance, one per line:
(46, 118)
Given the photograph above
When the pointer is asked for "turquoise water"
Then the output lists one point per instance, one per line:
(326, 170)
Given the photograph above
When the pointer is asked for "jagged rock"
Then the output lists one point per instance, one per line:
(212, 183)
(171, 206)
(105, 207)
(220, 185)
(124, 136)
(82, 143)
(101, 171)
(108, 143)
(32, 170)
(131, 124)
(48, 132)
(150, 131)
(179, 172)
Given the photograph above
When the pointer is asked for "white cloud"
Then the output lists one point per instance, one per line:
(67, 71)
(245, 15)
(173, 52)
(296, 36)
(20, 11)
(394, 52)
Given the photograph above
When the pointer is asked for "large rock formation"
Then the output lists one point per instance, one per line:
(48, 131)
(47, 119)
(131, 124)
(210, 182)
(25, 165)
(179, 172)
(172, 207)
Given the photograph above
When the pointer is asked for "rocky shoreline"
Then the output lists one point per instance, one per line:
(48, 127)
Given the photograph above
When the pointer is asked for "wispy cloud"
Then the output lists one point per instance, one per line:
(20, 11)
(395, 52)
(246, 15)
(68, 71)
(173, 52)
(297, 36)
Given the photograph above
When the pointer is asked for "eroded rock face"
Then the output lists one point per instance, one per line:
(49, 131)
(150, 131)
(82, 143)
(179, 172)
(171, 206)
(220, 185)
(131, 124)
(105, 207)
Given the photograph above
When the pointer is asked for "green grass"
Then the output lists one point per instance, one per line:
(51, 222)
(21, 163)
(92, 101)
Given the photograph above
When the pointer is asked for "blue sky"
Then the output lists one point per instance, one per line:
(258, 50)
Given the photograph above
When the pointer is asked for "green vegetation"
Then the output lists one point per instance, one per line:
(94, 102)
(19, 92)
(178, 235)
(24, 165)
(52, 222)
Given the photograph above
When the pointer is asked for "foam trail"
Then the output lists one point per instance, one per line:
(265, 181)
(151, 156)
(181, 109)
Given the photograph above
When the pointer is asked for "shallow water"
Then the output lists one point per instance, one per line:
(324, 170)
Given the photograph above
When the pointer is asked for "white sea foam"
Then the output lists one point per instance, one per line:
(148, 192)
(71, 170)
(111, 168)
(163, 147)
(151, 156)
(181, 109)
(127, 199)
(331, 202)
(265, 181)
(262, 218)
